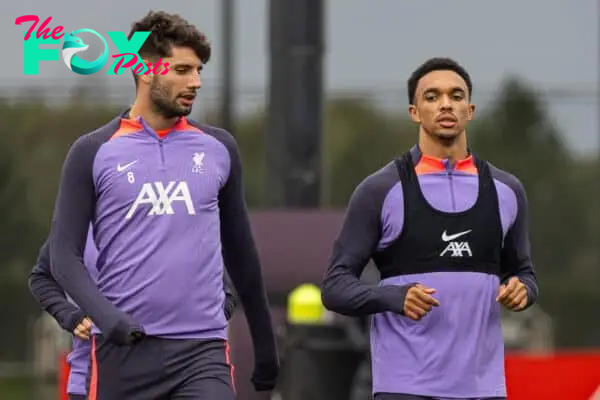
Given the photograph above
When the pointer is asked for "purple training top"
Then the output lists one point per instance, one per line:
(168, 213)
(53, 300)
(457, 350)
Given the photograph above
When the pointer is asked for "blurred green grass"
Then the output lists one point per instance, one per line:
(25, 389)
(15, 389)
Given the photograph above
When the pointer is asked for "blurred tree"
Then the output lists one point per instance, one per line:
(517, 135)
(40, 136)
(14, 212)
(17, 233)
(359, 140)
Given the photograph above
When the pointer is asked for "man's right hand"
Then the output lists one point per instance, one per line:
(84, 329)
(419, 301)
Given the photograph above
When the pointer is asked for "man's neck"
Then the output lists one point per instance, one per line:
(152, 119)
(452, 150)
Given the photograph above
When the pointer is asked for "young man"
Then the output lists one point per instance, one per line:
(449, 235)
(165, 197)
(53, 300)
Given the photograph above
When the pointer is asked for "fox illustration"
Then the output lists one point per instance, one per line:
(72, 45)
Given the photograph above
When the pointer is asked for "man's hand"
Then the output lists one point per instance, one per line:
(513, 295)
(419, 302)
(84, 329)
(265, 374)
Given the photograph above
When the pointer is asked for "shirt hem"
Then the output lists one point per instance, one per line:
(212, 334)
(219, 333)
(442, 394)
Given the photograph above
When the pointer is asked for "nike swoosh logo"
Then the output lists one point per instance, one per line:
(448, 238)
(121, 168)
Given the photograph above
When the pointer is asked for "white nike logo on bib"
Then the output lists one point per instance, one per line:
(448, 238)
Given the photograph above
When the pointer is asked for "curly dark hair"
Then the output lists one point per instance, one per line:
(167, 30)
(436, 64)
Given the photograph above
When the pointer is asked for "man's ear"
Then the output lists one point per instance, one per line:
(471, 111)
(414, 114)
(146, 76)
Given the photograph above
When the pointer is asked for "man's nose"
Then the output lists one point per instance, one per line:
(195, 82)
(445, 103)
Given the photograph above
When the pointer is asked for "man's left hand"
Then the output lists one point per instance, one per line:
(513, 294)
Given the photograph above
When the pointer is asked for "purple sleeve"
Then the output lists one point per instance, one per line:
(516, 254)
(342, 290)
(50, 296)
(74, 209)
(243, 265)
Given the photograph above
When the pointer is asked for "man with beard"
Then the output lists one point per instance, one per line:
(165, 198)
(449, 234)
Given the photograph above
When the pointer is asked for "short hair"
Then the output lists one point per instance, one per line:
(168, 30)
(436, 64)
